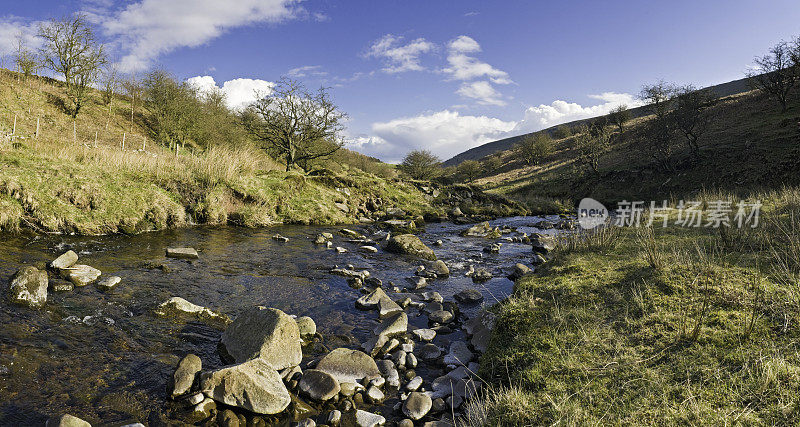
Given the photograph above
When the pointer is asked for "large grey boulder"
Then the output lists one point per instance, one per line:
(417, 405)
(267, 333)
(306, 326)
(65, 260)
(371, 300)
(410, 244)
(469, 296)
(319, 385)
(80, 275)
(459, 354)
(183, 378)
(543, 243)
(253, 385)
(28, 287)
(348, 365)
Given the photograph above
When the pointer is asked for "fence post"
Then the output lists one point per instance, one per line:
(95, 139)
(37, 128)
(123, 141)
(144, 142)
(14, 129)
(74, 132)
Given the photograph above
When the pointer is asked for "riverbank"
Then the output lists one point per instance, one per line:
(86, 190)
(677, 326)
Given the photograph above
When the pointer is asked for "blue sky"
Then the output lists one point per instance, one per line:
(438, 75)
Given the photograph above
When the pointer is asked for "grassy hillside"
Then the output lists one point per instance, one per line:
(749, 146)
(661, 326)
(721, 90)
(76, 176)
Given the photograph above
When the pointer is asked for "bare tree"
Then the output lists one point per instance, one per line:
(175, 108)
(659, 99)
(692, 115)
(421, 164)
(71, 49)
(591, 143)
(109, 84)
(295, 124)
(619, 116)
(777, 72)
(533, 148)
(27, 63)
(135, 90)
(469, 169)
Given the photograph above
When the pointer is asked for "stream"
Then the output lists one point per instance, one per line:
(105, 357)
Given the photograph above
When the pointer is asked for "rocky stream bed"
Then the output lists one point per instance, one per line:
(292, 325)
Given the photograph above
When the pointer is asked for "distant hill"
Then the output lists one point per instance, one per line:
(721, 90)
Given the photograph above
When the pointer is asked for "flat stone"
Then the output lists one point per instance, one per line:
(432, 296)
(371, 300)
(441, 317)
(417, 405)
(410, 244)
(375, 394)
(253, 385)
(367, 248)
(334, 417)
(59, 285)
(183, 253)
(417, 282)
(184, 375)
(387, 308)
(108, 283)
(459, 354)
(177, 306)
(348, 365)
(319, 385)
(279, 238)
(395, 325)
(65, 260)
(368, 419)
(28, 286)
(265, 333)
(469, 296)
(424, 334)
(67, 420)
(80, 275)
(519, 271)
(414, 384)
(440, 268)
(429, 352)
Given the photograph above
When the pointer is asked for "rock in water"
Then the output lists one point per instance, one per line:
(469, 296)
(440, 268)
(459, 354)
(371, 300)
(183, 253)
(306, 326)
(441, 317)
(108, 283)
(368, 419)
(426, 335)
(319, 385)
(267, 333)
(253, 385)
(28, 287)
(183, 377)
(80, 275)
(65, 260)
(417, 405)
(519, 271)
(395, 325)
(410, 244)
(67, 420)
(348, 365)
(177, 306)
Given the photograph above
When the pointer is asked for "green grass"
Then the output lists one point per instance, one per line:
(76, 177)
(603, 335)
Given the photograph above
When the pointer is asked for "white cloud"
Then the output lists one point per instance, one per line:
(10, 32)
(398, 57)
(445, 133)
(466, 67)
(306, 71)
(482, 91)
(545, 116)
(149, 28)
(238, 92)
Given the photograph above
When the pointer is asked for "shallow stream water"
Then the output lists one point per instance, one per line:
(104, 356)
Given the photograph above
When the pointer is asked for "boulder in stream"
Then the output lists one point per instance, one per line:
(177, 307)
(183, 378)
(348, 365)
(265, 333)
(319, 385)
(28, 287)
(409, 244)
(65, 260)
(253, 385)
(67, 420)
(80, 275)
